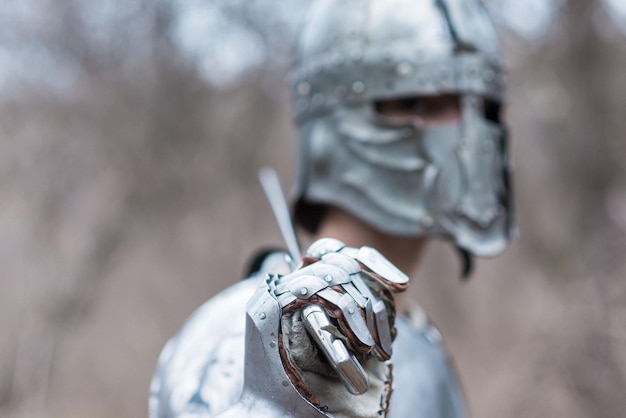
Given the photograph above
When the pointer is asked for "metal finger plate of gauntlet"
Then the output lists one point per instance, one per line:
(381, 266)
(349, 370)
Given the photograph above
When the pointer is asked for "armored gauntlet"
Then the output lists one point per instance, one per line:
(317, 339)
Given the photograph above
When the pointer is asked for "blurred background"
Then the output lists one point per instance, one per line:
(131, 136)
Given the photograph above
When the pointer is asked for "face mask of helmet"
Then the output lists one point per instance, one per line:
(396, 171)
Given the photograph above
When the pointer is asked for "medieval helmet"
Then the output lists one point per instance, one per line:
(406, 179)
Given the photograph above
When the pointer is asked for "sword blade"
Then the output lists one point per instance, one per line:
(273, 191)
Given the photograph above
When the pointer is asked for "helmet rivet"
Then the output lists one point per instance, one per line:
(404, 69)
(262, 315)
(351, 311)
(304, 291)
(328, 278)
(358, 87)
(427, 221)
(303, 88)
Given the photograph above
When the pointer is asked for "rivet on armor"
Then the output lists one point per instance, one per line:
(262, 315)
(328, 278)
(303, 88)
(341, 91)
(427, 221)
(273, 344)
(351, 311)
(304, 291)
(358, 87)
(404, 69)
(285, 383)
(318, 99)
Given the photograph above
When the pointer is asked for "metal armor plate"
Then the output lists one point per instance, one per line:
(200, 371)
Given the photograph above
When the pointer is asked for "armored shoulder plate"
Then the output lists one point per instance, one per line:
(201, 370)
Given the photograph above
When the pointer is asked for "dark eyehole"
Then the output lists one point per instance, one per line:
(492, 110)
(385, 107)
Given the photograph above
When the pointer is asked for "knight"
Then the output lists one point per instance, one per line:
(398, 105)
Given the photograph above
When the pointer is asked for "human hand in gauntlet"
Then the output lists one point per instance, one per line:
(318, 339)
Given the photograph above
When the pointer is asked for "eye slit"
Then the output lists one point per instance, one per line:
(408, 105)
(429, 110)
(491, 110)
(440, 106)
(433, 107)
(397, 107)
